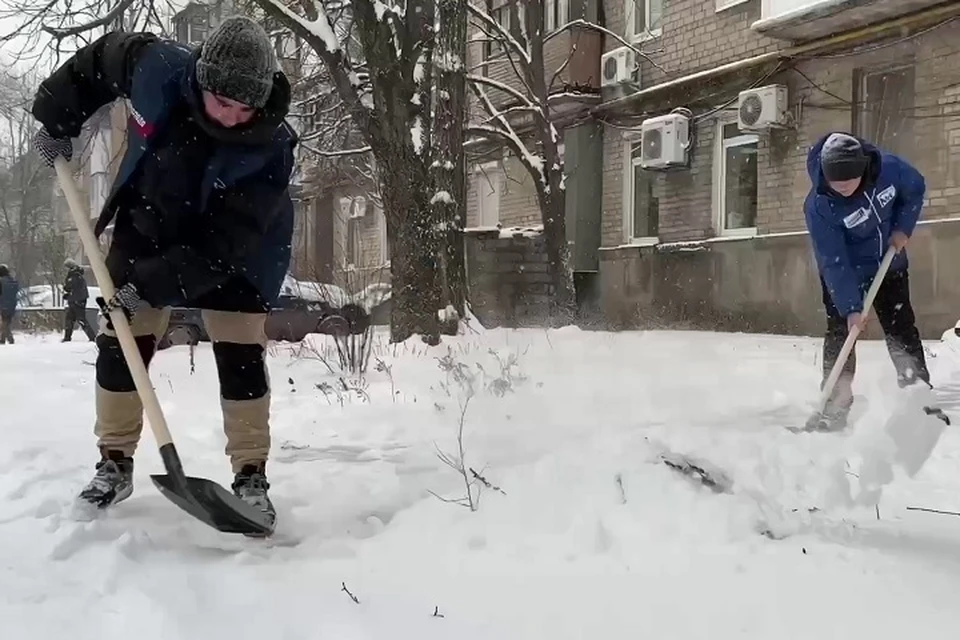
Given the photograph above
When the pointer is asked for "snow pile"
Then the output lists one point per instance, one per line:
(581, 529)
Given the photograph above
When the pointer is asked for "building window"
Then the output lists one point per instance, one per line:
(509, 16)
(736, 180)
(644, 19)
(384, 240)
(726, 4)
(556, 14)
(197, 29)
(641, 205)
(883, 100)
(352, 211)
(489, 184)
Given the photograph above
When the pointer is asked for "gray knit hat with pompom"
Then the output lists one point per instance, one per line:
(237, 62)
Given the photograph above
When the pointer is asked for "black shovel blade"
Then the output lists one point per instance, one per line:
(213, 505)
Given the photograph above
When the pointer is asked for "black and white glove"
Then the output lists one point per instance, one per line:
(126, 299)
(50, 148)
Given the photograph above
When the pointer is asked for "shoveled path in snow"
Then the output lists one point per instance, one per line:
(592, 537)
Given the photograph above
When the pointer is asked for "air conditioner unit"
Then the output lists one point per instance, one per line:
(763, 108)
(617, 66)
(665, 141)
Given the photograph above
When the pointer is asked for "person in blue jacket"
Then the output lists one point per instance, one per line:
(202, 218)
(9, 290)
(862, 201)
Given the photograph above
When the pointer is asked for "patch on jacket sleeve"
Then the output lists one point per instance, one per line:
(886, 196)
(855, 218)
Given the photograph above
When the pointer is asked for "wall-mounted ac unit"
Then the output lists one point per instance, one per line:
(665, 141)
(763, 108)
(617, 67)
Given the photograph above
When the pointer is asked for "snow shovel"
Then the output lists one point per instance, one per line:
(203, 499)
(852, 336)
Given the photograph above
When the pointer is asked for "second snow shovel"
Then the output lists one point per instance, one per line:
(205, 500)
(852, 336)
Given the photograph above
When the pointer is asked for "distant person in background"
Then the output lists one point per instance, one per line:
(9, 290)
(75, 296)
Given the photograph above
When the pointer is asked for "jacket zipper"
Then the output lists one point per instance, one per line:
(879, 224)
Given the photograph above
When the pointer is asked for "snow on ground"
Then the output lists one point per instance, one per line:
(591, 536)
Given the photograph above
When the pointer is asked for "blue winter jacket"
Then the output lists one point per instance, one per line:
(851, 235)
(9, 288)
(248, 174)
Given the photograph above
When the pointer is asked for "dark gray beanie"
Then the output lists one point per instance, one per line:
(237, 61)
(842, 158)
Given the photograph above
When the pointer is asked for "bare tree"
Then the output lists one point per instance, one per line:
(382, 58)
(27, 220)
(518, 113)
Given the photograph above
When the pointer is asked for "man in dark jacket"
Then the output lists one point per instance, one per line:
(202, 218)
(862, 200)
(9, 290)
(75, 296)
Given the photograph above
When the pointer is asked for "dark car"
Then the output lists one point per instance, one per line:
(292, 319)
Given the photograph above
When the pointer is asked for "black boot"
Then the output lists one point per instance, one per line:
(251, 486)
(113, 481)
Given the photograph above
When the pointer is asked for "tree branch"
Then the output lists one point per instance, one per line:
(580, 22)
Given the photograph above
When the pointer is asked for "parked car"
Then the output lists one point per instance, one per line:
(292, 319)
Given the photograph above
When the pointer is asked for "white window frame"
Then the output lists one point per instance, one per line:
(556, 13)
(492, 174)
(644, 5)
(630, 165)
(723, 5)
(719, 176)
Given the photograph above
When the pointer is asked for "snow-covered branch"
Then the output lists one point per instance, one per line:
(580, 22)
(337, 154)
(519, 96)
(498, 33)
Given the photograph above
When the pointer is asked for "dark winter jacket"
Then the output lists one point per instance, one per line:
(9, 289)
(241, 220)
(851, 235)
(75, 291)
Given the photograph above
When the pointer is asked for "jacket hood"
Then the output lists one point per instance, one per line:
(816, 175)
(260, 130)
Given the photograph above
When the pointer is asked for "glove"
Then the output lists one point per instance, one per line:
(126, 299)
(50, 148)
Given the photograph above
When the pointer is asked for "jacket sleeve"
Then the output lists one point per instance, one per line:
(94, 76)
(911, 190)
(833, 261)
(235, 223)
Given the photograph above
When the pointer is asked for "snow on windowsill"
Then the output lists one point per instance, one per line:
(531, 231)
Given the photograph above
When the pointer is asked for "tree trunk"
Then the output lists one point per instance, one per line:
(449, 164)
(415, 276)
(553, 207)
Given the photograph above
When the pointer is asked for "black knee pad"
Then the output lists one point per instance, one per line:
(241, 369)
(113, 374)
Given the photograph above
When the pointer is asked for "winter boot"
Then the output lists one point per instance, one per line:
(112, 483)
(250, 485)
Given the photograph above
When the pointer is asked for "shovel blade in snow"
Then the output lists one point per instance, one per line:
(213, 505)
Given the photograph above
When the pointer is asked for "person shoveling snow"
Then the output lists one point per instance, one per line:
(861, 211)
(203, 219)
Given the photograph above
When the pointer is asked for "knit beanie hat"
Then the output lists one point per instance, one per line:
(842, 158)
(237, 62)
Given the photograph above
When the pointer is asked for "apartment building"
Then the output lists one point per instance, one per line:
(706, 118)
